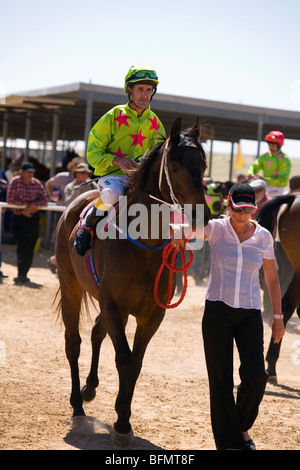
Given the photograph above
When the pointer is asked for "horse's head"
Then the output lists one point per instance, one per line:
(184, 164)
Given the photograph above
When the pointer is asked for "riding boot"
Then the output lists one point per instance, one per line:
(86, 231)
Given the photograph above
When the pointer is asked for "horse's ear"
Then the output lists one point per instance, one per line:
(176, 129)
(197, 129)
(203, 131)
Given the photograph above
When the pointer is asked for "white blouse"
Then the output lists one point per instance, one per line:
(234, 273)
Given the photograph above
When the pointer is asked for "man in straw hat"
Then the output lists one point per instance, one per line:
(81, 175)
(55, 186)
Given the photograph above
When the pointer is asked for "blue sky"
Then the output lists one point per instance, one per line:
(232, 51)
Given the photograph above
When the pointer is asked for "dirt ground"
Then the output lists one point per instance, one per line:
(170, 409)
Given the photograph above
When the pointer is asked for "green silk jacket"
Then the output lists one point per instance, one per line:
(121, 133)
(276, 168)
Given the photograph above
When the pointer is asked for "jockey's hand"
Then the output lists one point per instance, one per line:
(256, 177)
(126, 164)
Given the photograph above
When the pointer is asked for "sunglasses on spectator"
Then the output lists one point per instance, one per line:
(248, 210)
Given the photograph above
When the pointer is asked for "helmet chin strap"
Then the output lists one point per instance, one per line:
(131, 101)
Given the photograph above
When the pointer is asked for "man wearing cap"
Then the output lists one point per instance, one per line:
(25, 190)
(261, 196)
(81, 175)
(275, 164)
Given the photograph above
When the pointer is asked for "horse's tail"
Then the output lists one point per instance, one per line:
(267, 214)
(57, 305)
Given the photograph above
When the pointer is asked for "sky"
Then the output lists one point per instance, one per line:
(223, 50)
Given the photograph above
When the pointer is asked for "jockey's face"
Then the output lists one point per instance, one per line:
(273, 148)
(140, 96)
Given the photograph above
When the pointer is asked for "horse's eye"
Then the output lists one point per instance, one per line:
(175, 167)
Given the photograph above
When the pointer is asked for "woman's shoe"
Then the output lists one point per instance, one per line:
(250, 445)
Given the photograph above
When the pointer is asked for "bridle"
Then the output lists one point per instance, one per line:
(176, 206)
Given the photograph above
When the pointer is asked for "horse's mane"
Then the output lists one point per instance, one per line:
(267, 214)
(139, 176)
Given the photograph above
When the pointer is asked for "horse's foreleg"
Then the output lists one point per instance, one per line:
(115, 325)
(92, 381)
(144, 332)
(130, 372)
(290, 302)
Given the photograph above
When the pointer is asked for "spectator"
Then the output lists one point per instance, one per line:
(275, 164)
(261, 196)
(55, 186)
(81, 175)
(25, 190)
(13, 169)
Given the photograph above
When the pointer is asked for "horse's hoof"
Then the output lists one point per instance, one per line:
(87, 397)
(272, 379)
(124, 441)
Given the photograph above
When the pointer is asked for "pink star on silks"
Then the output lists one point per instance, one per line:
(122, 119)
(118, 153)
(154, 123)
(137, 139)
(269, 163)
(275, 173)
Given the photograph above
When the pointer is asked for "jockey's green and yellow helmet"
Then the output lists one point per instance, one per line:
(139, 73)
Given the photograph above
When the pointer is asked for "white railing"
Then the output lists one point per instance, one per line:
(51, 206)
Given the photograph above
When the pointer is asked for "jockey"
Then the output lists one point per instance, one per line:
(214, 199)
(116, 141)
(275, 164)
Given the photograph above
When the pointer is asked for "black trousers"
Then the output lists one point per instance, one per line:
(26, 233)
(222, 325)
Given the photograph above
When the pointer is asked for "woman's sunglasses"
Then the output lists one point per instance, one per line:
(248, 210)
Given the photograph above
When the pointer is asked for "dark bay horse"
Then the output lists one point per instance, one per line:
(289, 230)
(126, 272)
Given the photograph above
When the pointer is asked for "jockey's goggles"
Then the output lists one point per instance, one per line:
(143, 75)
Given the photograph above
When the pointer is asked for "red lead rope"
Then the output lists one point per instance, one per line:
(169, 249)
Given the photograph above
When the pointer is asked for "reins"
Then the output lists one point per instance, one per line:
(170, 250)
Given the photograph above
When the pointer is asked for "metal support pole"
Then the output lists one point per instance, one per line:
(49, 228)
(5, 135)
(27, 134)
(88, 121)
(231, 161)
(54, 140)
(210, 158)
(259, 135)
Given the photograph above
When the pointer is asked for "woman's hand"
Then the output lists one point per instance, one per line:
(277, 329)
